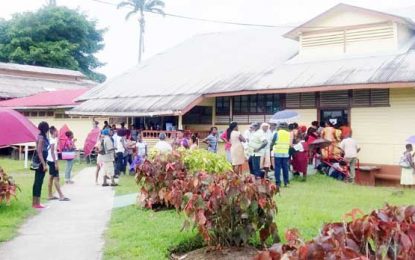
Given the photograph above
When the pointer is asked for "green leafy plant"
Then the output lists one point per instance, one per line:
(227, 209)
(202, 160)
(388, 233)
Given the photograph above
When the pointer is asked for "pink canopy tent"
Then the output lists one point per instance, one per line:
(15, 128)
(91, 141)
(62, 136)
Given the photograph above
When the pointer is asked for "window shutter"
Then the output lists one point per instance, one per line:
(241, 119)
(361, 98)
(379, 97)
(292, 100)
(222, 120)
(308, 100)
(334, 99)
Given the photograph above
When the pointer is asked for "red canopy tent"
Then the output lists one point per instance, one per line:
(15, 128)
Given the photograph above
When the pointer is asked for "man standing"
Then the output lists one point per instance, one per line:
(257, 144)
(281, 148)
(107, 157)
(350, 150)
(266, 152)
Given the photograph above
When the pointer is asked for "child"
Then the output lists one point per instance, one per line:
(407, 165)
(339, 171)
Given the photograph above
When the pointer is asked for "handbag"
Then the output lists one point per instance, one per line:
(68, 154)
(403, 162)
(35, 162)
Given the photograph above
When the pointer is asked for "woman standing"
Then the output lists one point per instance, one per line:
(70, 147)
(53, 164)
(42, 146)
(407, 165)
(237, 150)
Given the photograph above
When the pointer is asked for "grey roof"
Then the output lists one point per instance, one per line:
(39, 69)
(207, 63)
(18, 86)
(246, 60)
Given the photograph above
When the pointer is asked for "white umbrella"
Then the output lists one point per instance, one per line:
(284, 116)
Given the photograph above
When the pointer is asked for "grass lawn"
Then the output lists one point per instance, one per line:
(136, 233)
(13, 216)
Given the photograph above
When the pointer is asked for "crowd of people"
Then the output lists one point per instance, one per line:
(290, 147)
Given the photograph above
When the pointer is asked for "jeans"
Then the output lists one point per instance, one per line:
(121, 163)
(37, 185)
(256, 166)
(352, 165)
(68, 170)
(281, 163)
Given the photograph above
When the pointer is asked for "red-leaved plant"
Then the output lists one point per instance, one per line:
(156, 178)
(227, 209)
(388, 233)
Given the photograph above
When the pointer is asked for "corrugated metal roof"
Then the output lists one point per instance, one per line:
(248, 60)
(16, 87)
(57, 98)
(39, 69)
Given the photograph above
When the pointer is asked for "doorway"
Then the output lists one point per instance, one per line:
(335, 116)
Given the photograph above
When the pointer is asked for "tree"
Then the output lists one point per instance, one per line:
(139, 7)
(56, 37)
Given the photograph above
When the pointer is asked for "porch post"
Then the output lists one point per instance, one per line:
(26, 155)
(180, 123)
(231, 109)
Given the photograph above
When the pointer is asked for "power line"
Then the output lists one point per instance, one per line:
(214, 21)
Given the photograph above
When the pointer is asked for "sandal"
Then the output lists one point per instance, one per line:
(53, 198)
(64, 199)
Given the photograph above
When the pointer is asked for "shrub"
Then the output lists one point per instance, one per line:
(227, 209)
(203, 160)
(388, 233)
(7, 187)
(156, 178)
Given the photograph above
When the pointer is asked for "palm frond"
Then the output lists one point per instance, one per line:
(154, 4)
(125, 4)
(157, 10)
(129, 14)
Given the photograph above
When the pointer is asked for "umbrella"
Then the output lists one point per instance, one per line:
(411, 140)
(16, 128)
(62, 136)
(320, 143)
(284, 116)
(91, 140)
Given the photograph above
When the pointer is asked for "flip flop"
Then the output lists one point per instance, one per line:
(53, 198)
(64, 199)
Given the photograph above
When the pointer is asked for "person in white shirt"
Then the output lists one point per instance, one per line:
(121, 152)
(141, 147)
(350, 150)
(266, 153)
(162, 146)
(257, 144)
(53, 164)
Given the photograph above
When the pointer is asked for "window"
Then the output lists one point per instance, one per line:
(370, 97)
(50, 113)
(300, 100)
(42, 113)
(222, 105)
(198, 115)
(256, 104)
(334, 99)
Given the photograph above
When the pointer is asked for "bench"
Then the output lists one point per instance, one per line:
(366, 175)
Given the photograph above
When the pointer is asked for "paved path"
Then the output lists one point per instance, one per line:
(66, 230)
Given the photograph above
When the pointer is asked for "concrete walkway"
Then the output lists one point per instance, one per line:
(66, 230)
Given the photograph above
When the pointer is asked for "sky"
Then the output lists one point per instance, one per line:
(121, 39)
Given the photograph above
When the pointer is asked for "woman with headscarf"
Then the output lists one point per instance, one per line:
(42, 147)
(237, 150)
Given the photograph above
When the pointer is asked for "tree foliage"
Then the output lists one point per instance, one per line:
(56, 37)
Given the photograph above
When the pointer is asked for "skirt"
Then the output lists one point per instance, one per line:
(237, 154)
(407, 176)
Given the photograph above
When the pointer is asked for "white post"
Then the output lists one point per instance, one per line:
(180, 123)
(26, 155)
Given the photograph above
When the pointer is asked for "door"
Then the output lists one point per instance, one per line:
(335, 116)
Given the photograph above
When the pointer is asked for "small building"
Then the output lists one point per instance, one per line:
(349, 63)
(45, 94)
(51, 107)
